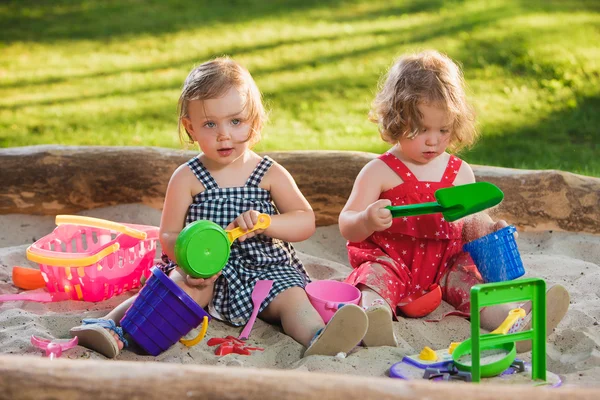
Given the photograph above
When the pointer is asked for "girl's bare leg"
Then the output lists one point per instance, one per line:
(370, 298)
(302, 322)
(298, 317)
(201, 294)
(491, 317)
(381, 329)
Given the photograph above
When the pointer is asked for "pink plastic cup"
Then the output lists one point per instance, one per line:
(327, 295)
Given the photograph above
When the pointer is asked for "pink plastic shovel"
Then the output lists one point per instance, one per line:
(259, 293)
(42, 297)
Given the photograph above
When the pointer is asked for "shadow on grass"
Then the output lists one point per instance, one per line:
(51, 20)
(190, 61)
(512, 53)
(395, 39)
(566, 140)
(45, 21)
(569, 6)
(404, 7)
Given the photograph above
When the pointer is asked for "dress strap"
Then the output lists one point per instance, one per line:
(452, 169)
(202, 173)
(398, 167)
(260, 171)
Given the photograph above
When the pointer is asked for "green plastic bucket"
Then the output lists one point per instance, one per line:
(202, 249)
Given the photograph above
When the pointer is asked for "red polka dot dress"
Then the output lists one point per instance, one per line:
(414, 252)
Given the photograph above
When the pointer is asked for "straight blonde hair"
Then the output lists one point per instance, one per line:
(212, 80)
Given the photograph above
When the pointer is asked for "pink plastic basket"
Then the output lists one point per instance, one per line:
(93, 259)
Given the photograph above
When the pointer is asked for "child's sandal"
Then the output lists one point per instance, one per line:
(95, 334)
(557, 304)
(342, 333)
(381, 329)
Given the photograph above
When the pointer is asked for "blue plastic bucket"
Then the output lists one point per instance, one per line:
(161, 314)
(496, 255)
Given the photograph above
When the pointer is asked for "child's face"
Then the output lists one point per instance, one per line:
(219, 126)
(433, 139)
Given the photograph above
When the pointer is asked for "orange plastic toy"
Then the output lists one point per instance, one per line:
(230, 344)
(419, 305)
(27, 278)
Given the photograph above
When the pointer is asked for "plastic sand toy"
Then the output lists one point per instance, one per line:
(202, 247)
(53, 348)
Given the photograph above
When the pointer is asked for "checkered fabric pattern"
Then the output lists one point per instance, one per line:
(260, 257)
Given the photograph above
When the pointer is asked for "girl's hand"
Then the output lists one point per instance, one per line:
(379, 218)
(491, 227)
(498, 225)
(502, 224)
(198, 282)
(246, 221)
(476, 228)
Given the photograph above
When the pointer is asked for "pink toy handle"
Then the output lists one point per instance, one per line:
(16, 297)
(248, 328)
(100, 223)
(53, 349)
(331, 305)
(42, 297)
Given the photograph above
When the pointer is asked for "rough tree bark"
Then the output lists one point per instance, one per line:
(23, 377)
(56, 179)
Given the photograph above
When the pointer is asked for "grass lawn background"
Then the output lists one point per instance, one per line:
(110, 72)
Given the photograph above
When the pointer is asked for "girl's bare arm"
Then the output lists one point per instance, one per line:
(296, 219)
(355, 222)
(177, 201)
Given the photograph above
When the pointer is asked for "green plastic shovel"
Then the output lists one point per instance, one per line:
(455, 202)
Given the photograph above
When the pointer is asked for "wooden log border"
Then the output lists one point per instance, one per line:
(57, 179)
(28, 377)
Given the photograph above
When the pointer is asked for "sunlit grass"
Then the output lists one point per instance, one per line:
(109, 73)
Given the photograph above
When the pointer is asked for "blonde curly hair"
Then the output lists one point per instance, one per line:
(212, 80)
(431, 78)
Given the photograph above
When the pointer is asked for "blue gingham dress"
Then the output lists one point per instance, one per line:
(260, 257)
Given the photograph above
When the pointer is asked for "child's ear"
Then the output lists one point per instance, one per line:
(187, 124)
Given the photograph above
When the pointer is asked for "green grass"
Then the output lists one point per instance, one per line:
(109, 73)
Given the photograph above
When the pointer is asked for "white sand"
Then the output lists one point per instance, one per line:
(567, 258)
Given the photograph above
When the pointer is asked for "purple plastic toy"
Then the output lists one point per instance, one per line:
(162, 314)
